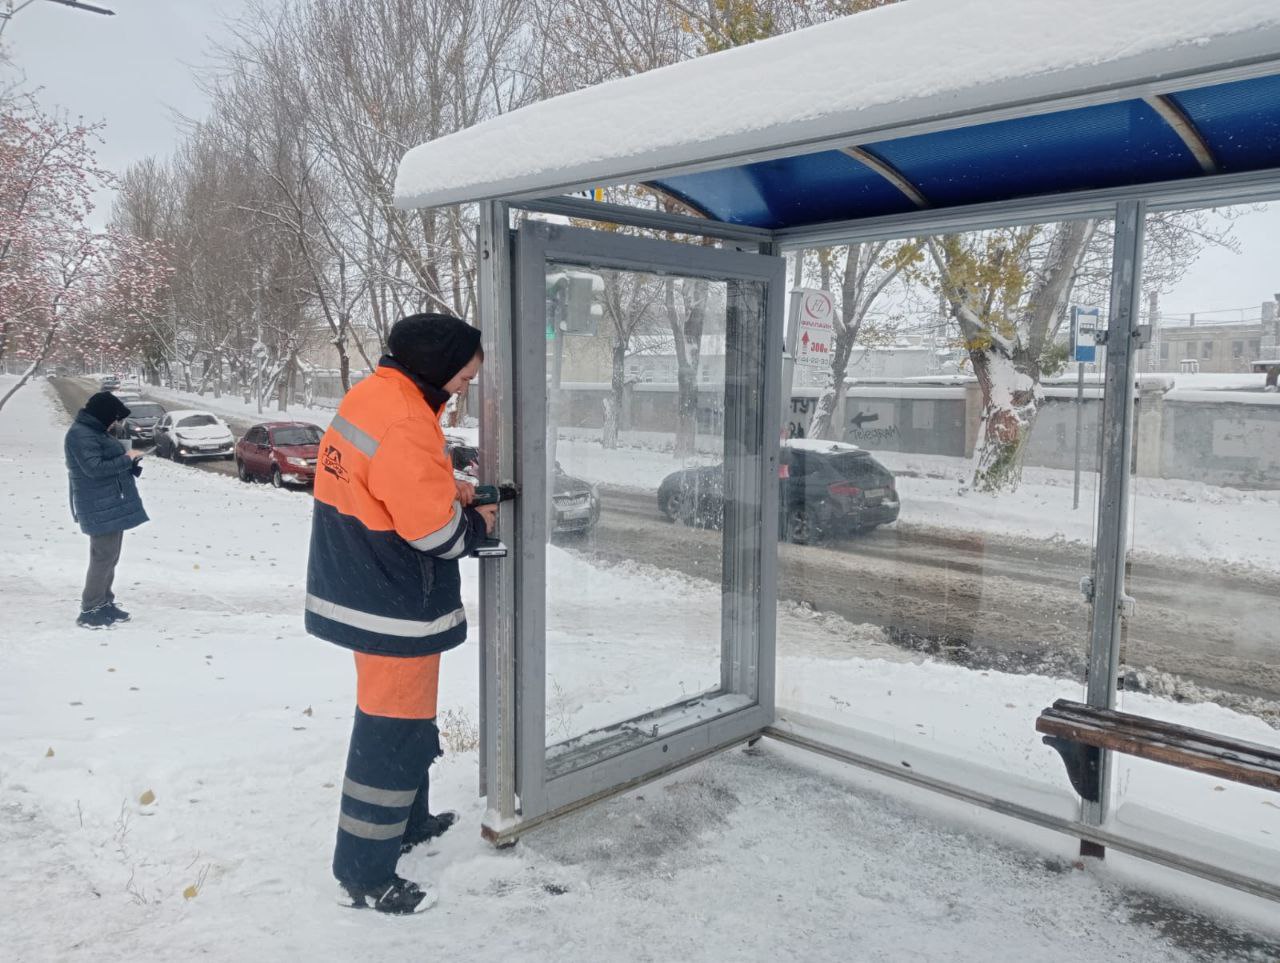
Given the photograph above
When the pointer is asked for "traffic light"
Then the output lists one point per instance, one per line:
(571, 302)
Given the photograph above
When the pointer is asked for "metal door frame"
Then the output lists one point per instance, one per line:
(521, 792)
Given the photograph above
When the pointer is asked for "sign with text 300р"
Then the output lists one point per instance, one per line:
(816, 330)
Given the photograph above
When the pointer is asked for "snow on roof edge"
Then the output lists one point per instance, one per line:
(637, 126)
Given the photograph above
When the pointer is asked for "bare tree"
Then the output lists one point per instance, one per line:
(870, 268)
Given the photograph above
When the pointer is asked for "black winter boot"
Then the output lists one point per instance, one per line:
(117, 614)
(429, 828)
(396, 897)
(98, 618)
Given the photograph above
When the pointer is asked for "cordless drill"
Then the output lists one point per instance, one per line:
(490, 547)
(492, 494)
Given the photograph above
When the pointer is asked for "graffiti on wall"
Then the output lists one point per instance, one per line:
(801, 411)
(862, 429)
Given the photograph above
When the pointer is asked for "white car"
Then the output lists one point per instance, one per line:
(193, 434)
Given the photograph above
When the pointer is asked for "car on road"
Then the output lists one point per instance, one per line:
(190, 433)
(283, 452)
(140, 427)
(109, 383)
(825, 489)
(576, 504)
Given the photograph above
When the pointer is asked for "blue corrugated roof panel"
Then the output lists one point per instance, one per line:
(807, 189)
(1109, 145)
(1239, 121)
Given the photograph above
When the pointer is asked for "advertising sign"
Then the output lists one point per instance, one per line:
(816, 330)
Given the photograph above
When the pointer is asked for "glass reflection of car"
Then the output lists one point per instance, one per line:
(825, 489)
(140, 427)
(283, 452)
(576, 502)
(193, 434)
(465, 457)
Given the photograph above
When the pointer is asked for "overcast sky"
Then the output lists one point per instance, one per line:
(134, 70)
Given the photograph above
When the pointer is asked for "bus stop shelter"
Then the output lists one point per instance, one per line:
(923, 118)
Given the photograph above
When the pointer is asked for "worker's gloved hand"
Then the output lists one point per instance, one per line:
(136, 470)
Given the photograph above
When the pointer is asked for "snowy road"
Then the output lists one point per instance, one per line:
(990, 601)
(981, 600)
(74, 391)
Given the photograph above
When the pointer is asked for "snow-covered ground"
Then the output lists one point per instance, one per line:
(168, 789)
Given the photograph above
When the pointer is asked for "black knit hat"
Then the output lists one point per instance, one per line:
(435, 347)
(107, 408)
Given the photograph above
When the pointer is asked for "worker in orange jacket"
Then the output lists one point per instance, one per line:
(389, 525)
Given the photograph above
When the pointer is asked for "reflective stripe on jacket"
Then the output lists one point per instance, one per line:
(387, 528)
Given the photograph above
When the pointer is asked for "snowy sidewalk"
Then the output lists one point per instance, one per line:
(168, 790)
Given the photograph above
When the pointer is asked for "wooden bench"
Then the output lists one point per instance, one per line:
(1080, 733)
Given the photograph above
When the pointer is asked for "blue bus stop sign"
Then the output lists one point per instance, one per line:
(1084, 327)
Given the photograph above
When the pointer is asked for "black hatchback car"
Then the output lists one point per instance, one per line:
(140, 427)
(825, 489)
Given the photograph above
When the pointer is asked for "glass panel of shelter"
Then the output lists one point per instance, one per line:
(650, 528)
(929, 577)
(634, 608)
(1201, 647)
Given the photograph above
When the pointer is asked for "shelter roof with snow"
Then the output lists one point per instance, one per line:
(926, 104)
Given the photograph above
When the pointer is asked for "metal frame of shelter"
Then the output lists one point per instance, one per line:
(522, 790)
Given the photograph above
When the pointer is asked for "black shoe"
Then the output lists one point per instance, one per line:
(398, 897)
(431, 827)
(98, 618)
(117, 614)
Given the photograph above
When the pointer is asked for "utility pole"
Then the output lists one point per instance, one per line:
(257, 352)
(790, 343)
(1153, 319)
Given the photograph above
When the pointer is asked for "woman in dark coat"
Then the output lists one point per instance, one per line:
(104, 500)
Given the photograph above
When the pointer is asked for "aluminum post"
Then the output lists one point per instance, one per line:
(1113, 502)
(498, 575)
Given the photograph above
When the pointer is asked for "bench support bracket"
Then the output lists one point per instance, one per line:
(1084, 765)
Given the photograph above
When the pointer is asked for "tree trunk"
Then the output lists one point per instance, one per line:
(1010, 402)
(822, 424)
(687, 336)
(46, 347)
(619, 382)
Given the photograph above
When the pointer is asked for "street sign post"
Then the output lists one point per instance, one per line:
(1084, 350)
(815, 329)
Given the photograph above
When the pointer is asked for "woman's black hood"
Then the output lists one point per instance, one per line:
(106, 408)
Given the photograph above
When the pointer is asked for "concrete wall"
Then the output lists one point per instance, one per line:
(1236, 445)
(1229, 438)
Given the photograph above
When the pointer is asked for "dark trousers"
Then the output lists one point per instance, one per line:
(384, 795)
(104, 553)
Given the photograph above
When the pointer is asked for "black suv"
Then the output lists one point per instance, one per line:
(825, 489)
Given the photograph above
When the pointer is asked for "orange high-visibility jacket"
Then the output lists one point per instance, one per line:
(387, 528)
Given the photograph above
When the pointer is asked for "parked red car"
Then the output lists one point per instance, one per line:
(283, 451)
